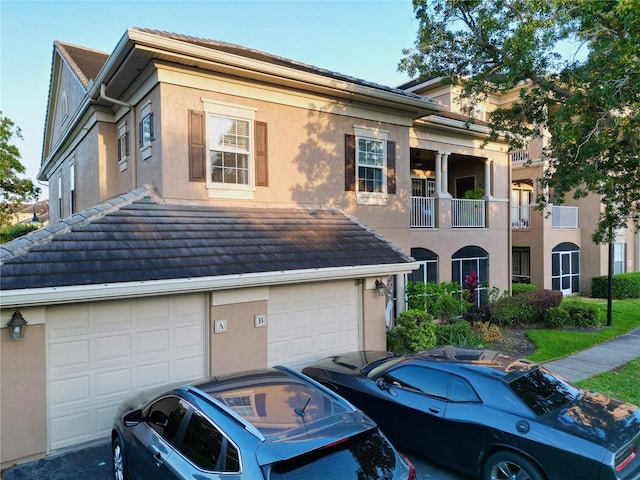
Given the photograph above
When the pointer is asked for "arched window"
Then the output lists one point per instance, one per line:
(565, 268)
(64, 108)
(428, 271)
(467, 260)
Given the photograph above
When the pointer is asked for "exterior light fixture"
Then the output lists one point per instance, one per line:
(17, 326)
(381, 288)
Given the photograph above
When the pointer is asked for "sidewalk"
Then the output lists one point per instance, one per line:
(599, 359)
(94, 462)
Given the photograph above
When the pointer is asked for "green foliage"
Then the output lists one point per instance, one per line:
(475, 194)
(517, 288)
(13, 189)
(457, 332)
(581, 314)
(11, 232)
(414, 331)
(442, 300)
(507, 311)
(556, 317)
(541, 300)
(589, 100)
(623, 285)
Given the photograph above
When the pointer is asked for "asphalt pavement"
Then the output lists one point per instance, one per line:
(93, 462)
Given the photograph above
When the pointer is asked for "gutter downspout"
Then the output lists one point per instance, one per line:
(134, 123)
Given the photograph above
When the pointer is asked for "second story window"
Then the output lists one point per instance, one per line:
(229, 150)
(123, 145)
(72, 187)
(370, 160)
(146, 133)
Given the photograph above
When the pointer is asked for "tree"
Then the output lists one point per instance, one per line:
(13, 189)
(589, 103)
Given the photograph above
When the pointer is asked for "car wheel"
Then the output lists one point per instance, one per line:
(119, 467)
(510, 466)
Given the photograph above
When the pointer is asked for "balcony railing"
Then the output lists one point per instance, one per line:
(422, 212)
(564, 217)
(521, 217)
(519, 156)
(467, 213)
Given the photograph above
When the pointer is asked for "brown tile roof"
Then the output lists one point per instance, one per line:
(86, 63)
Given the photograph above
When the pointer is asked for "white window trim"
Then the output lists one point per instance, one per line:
(372, 198)
(224, 109)
(122, 161)
(64, 108)
(145, 149)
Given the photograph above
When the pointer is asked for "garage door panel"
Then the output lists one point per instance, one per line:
(312, 320)
(91, 371)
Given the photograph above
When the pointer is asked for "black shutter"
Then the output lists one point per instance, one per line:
(391, 167)
(262, 155)
(197, 146)
(349, 163)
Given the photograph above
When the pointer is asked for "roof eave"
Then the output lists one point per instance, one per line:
(110, 291)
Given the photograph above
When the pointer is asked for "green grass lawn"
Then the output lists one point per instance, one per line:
(621, 383)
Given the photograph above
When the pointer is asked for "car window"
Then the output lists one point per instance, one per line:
(460, 390)
(165, 415)
(367, 456)
(205, 446)
(425, 380)
(542, 391)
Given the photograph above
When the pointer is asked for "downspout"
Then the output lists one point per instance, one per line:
(134, 123)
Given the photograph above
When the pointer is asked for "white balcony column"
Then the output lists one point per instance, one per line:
(487, 178)
(438, 174)
(445, 174)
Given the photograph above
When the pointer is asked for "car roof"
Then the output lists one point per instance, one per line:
(480, 360)
(274, 401)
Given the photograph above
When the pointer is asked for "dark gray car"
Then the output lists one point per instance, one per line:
(489, 414)
(269, 424)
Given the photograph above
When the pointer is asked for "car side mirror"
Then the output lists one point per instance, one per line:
(384, 386)
(132, 418)
(158, 418)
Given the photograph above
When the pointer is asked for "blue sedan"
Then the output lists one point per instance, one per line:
(489, 414)
(271, 424)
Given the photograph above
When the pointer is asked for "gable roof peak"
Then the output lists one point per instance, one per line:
(85, 62)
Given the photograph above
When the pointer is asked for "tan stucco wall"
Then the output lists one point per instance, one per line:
(243, 346)
(23, 432)
(374, 332)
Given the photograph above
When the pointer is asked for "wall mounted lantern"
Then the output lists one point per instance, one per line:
(381, 288)
(17, 326)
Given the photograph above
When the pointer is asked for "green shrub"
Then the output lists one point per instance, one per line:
(507, 311)
(414, 331)
(623, 285)
(581, 314)
(517, 288)
(457, 332)
(556, 317)
(442, 300)
(12, 232)
(542, 300)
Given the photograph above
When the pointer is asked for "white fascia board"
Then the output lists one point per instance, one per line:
(454, 124)
(277, 71)
(109, 291)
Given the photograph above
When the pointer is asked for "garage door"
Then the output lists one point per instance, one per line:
(100, 353)
(308, 321)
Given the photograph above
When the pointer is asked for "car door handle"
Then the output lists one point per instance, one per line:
(434, 409)
(157, 456)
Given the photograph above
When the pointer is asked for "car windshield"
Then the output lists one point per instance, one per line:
(366, 456)
(379, 366)
(543, 391)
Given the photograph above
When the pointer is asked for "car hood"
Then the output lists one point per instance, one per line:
(352, 363)
(307, 438)
(600, 419)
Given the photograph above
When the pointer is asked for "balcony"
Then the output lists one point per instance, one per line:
(564, 217)
(467, 213)
(521, 217)
(519, 156)
(422, 212)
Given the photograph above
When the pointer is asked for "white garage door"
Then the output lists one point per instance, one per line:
(100, 353)
(309, 321)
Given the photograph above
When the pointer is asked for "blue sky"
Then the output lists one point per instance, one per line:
(362, 38)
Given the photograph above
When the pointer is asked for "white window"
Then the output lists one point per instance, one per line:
(371, 165)
(60, 213)
(618, 257)
(146, 133)
(123, 146)
(72, 187)
(64, 108)
(230, 144)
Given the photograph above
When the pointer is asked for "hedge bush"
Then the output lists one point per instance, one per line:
(556, 317)
(12, 232)
(414, 331)
(524, 308)
(517, 288)
(457, 332)
(572, 313)
(624, 285)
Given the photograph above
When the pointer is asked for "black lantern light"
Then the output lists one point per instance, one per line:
(17, 326)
